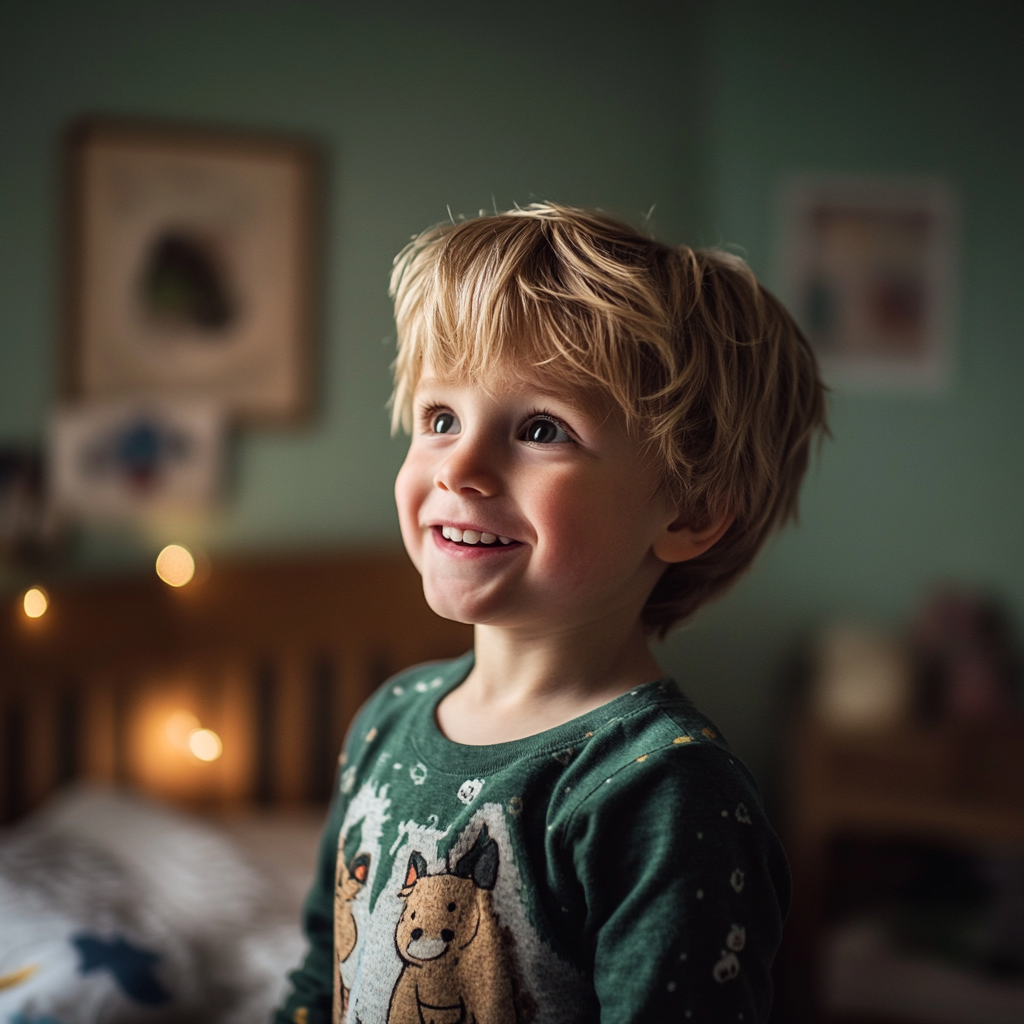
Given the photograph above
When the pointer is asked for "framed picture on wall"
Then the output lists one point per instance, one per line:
(868, 270)
(191, 267)
(129, 459)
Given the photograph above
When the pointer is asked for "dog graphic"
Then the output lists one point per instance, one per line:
(349, 880)
(457, 965)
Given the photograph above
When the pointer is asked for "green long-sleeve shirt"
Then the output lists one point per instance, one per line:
(617, 868)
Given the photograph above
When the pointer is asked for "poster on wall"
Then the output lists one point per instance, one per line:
(190, 267)
(868, 270)
(129, 460)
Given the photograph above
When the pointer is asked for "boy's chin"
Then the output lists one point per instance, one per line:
(473, 609)
(456, 611)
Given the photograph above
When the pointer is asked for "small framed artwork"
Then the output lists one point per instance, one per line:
(191, 267)
(129, 459)
(869, 272)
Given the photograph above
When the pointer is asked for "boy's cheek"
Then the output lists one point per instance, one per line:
(408, 512)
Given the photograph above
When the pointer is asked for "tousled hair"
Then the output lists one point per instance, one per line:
(709, 371)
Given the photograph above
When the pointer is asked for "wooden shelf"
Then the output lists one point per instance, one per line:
(951, 784)
(952, 781)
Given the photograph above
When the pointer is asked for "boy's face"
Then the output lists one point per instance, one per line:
(567, 489)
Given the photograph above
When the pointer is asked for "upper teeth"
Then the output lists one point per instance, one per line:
(471, 536)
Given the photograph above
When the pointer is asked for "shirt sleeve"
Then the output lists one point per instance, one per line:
(310, 1000)
(686, 888)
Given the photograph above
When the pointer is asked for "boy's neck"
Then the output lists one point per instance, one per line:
(523, 685)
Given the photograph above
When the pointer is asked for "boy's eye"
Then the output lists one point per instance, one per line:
(445, 423)
(541, 430)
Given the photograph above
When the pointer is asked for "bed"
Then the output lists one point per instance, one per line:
(139, 881)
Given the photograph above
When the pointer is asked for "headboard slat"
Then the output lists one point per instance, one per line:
(324, 738)
(98, 737)
(237, 721)
(41, 729)
(291, 728)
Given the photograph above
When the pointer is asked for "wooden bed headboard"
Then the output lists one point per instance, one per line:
(274, 654)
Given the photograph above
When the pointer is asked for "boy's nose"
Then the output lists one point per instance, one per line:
(471, 469)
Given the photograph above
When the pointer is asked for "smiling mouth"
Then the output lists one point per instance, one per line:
(474, 538)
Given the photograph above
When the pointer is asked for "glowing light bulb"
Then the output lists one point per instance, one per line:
(175, 565)
(205, 744)
(35, 602)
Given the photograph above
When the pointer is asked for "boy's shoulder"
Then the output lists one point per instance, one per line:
(652, 743)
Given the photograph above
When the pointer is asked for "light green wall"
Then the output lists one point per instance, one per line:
(911, 490)
(700, 109)
(419, 112)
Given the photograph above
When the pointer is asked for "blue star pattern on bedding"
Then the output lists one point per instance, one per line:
(131, 965)
(114, 910)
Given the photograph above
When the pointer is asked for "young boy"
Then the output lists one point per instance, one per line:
(604, 431)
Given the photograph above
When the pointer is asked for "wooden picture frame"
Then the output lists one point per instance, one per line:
(191, 267)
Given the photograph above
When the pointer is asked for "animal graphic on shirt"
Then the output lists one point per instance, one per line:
(349, 880)
(457, 965)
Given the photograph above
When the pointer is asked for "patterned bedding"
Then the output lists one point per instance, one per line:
(115, 909)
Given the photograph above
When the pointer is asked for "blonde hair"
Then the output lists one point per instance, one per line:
(708, 369)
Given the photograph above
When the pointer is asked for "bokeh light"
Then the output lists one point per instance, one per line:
(175, 565)
(205, 744)
(35, 602)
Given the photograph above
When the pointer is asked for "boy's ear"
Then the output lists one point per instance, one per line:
(679, 542)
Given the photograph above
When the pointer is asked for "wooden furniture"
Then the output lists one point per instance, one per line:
(951, 785)
(275, 655)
